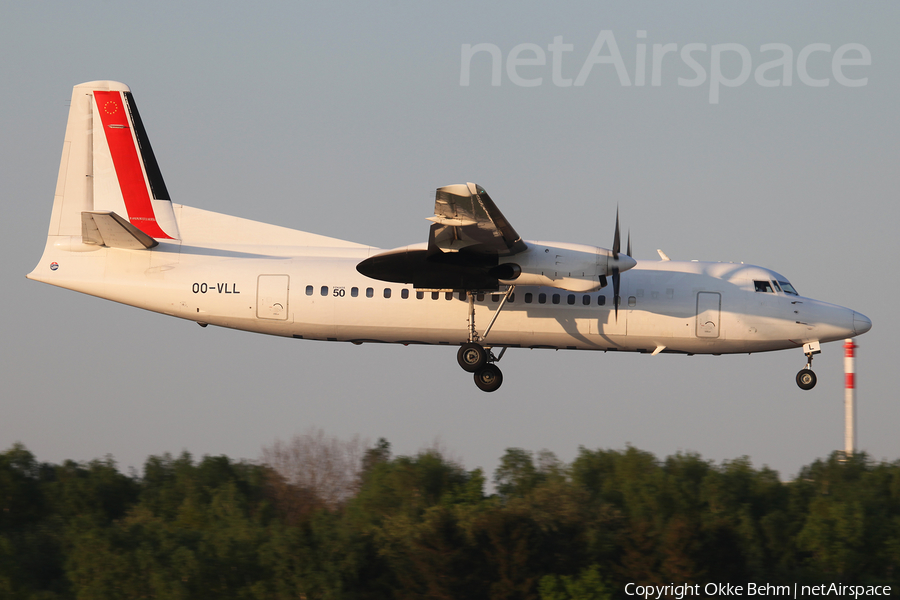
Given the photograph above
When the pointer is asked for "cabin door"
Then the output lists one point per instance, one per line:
(709, 314)
(272, 297)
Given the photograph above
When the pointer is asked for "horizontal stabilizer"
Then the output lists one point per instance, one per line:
(106, 228)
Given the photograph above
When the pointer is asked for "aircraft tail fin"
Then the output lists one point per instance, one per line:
(108, 166)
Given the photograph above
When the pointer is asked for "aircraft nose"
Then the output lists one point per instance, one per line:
(861, 323)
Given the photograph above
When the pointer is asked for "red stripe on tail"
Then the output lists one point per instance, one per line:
(117, 129)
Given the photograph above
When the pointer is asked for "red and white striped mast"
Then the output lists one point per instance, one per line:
(849, 397)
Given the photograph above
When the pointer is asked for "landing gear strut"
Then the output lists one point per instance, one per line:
(806, 378)
(474, 358)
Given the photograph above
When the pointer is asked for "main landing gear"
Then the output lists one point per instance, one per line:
(477, 359)
(806, 378)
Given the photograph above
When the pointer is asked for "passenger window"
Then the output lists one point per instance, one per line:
(512, 297)
(763, 286)
(586, 300)
(404, 293)
(632, 300)
(462, 296)
(571, 299)
(324, 290)
(309, 290)
(528, 297)
(435, 295)
(555, 298)
(354, 292)
(420, 295)
(449, 295)
(387, 292)
(495, 297)
(601, 300)
(370, 292)
(480, 297)
(542, 298)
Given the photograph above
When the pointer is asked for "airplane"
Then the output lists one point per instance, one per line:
(115, 233)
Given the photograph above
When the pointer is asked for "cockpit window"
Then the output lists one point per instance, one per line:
(763, 286)
(788, 288)
(777, 287)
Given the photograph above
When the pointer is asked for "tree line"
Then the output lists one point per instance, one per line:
(322, 518)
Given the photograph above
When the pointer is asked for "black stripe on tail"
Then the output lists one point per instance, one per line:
(154, 175)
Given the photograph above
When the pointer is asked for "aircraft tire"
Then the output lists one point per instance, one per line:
(806, 379)
(489, 379)
(471, 357)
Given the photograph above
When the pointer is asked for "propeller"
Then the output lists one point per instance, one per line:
(617, 264)
(616, 276)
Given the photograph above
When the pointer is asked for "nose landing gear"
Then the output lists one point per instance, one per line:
(806, 378)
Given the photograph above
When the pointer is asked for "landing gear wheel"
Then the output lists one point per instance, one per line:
(489, 378)
(472, 357)
(806, 379)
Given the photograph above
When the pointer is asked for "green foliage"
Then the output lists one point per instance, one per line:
(518, 474)
(588, 585)
(194, 531)
(422, 527)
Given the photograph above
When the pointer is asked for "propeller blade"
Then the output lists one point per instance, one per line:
(628, 252)
(615, 278)
(616, 242)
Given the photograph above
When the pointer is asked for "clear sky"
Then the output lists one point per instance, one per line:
(342, 118)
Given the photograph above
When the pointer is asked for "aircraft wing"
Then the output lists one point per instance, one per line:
(471, 246)
(467, 220)
(465, 243)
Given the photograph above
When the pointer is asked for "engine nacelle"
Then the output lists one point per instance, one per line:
(571, 267)
(506, 272)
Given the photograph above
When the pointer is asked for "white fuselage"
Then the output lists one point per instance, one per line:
(115, 233)
(306, 286)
